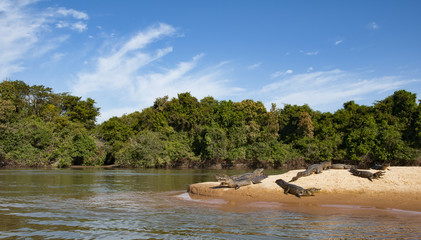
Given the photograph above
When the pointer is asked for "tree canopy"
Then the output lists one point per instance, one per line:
(41, 128)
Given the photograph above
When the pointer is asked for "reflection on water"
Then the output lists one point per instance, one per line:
(144, 204)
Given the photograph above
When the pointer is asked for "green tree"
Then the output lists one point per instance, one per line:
(39, 97)
(305, 126)
(17, 92)
(270, 130)
(183, 113)
(6, 111)
(146, 149)
(84, 151)
(151, 119)
(226, 115)
(211, 144)
(208, 108)
(79, 110)
(250, 110)
(29, 142)
(289, 118)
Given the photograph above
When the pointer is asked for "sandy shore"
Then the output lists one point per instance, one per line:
(399, 188)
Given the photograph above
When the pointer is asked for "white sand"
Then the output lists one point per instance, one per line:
(400, 187)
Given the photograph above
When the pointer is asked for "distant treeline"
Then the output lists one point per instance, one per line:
(41, 128)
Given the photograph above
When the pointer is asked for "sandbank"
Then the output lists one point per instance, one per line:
(399, 188)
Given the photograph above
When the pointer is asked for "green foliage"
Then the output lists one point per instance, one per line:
(80, 111)
(41, 128)
(305, 126)
(115, 130)
(152, 119)
(289, 118)
(211, 144)
(6, 112)
(17, 92)
(28, 142)
(183, 113)
(146, 149)
(179, 149)
(84, 151)
(361, 141)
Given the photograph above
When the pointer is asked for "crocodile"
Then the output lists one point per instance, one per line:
(237, 183)
(310, 191)
(314, 168)
(326, 164)
(296, 190)
(301, 174)
(255, 173)
(383, 166)
(341, 166)
(258, 179)
(367, 174)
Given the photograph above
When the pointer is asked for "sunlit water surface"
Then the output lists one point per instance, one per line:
(153, 204)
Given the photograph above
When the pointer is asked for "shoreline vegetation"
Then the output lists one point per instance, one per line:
(41, 128)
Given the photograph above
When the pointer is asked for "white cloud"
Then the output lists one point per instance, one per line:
(62, 24)
(338, 42)
(312, 53)
(73, 13)
(373, 25)
(79, 26)
(281, 73)
(254, 66)
(185, 77)
(118, 69)
(328, 90)
(24, 32)
(109, 113)
(130, 79)
(57, 56)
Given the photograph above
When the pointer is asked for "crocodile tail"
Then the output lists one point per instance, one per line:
(294, 178)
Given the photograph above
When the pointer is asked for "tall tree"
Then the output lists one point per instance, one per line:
(305, 126)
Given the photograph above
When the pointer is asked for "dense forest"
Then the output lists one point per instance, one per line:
(40, 128)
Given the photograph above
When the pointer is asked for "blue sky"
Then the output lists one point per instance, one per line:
(124, 54)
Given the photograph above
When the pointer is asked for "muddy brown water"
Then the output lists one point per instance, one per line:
(153, 204)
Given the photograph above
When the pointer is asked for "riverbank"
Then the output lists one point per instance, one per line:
(399, 188)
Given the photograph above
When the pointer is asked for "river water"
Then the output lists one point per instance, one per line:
(153, 204)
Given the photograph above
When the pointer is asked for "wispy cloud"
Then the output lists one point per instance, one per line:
(328, 90)
(184, 77)
(128, 75)
(373, 25)
(338, 42)
(24, 31)
(311, 53)
(74, 13)
(120, 67)
(254, 66)
(78, 26)
(281, 73)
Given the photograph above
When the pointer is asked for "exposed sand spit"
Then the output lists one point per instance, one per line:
(400, 188)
